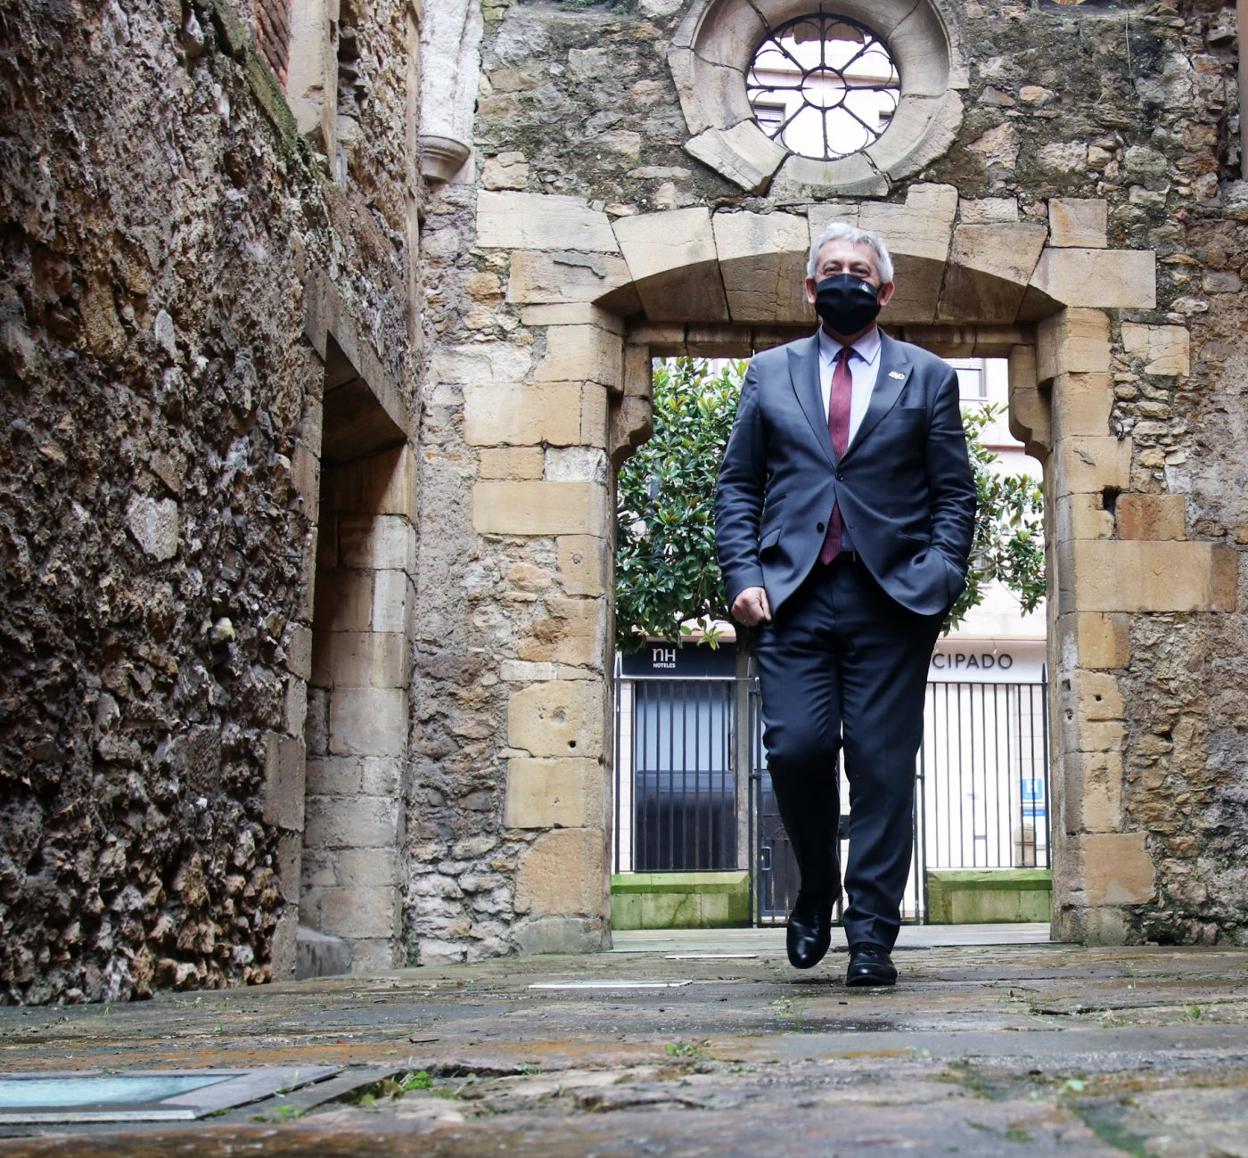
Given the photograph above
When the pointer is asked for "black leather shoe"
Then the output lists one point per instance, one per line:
(870, 965)
(809, 932)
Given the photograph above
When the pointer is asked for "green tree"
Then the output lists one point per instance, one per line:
(666, 571)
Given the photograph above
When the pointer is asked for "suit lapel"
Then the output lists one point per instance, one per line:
(894, 369)
(804, 371)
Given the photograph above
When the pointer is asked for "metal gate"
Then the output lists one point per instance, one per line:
(693, 793)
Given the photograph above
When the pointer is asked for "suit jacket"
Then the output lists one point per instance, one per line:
(904, 484)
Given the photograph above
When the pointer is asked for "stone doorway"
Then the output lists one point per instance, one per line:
(356, 734)
(689, 281)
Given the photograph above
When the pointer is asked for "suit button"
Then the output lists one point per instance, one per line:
(819, 527)
(840, 476)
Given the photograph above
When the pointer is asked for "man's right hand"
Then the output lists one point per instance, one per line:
(751, 607)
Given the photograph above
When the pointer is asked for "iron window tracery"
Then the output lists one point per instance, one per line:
(823, 85)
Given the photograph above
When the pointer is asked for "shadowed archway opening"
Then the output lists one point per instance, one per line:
(667, 820)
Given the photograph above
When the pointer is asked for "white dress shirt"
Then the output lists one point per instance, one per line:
(864, 368)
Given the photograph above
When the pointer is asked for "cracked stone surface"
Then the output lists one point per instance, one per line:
(707, 1043)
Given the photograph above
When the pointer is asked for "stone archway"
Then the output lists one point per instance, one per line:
(601, 298)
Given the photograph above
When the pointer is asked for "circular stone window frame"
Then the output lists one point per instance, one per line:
(713, 51)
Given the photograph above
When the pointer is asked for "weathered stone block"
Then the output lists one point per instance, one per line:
(1029, 412)
(1081, 517)
(387, 541)
(1165, 350)
(1093, 695)
(505, 171)
(582, 564)
(359, 912)
(295, 706)
(507, 220)
(305, 473)
(1101, 805)
(1133, 575)
(1099, 640)
(574, 632)
(821, 214)
(382, 484)
(1090, 464)
(506, 414)
(1081, 405)
(1100, 278)
(1117, 869)
(563, 276)
(762, 259)
(480, 363)
(320, 955)
(988, 271)
(558, 718)
(1099, 735)
(289, 865)
(513, 462)
(672, 258)
(564, 873)
(344, 602)
(988, 211)
(563, 935)
(368, 721)
(1151, 517)
(391, 596)
(299, 650)
(1102, 925)
(154, 525)
(1008, 251)
(334, 776)
(654, 243)
(284, 781)
(284, 952)
(595, 415)
(580, 354)
(742, 153)
(554, 793)
(365, 659)
(1078, 222)
(354, 867)
(921, 227)
(336, 822)
(373, 955)
(539, 508)
(1072, 342)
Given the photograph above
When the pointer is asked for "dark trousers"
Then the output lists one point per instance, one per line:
(844, 665)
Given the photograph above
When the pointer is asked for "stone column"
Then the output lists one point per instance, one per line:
(1119, 554)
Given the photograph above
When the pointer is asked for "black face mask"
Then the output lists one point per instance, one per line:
(846, 303)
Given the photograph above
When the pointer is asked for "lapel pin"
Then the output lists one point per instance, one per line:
(895, 374)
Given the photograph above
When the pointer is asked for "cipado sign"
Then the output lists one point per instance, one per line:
(988, 661)
(972, 661)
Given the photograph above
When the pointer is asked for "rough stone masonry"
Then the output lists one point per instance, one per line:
(317, 372)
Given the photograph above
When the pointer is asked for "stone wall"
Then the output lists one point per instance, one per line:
(1087, 195)
(162, 220)
(219, 303)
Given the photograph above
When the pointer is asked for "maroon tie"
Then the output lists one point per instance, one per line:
(838, 431)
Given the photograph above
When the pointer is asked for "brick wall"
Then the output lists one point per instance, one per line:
(273, 34)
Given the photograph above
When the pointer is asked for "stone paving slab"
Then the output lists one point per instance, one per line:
(1030, 1048)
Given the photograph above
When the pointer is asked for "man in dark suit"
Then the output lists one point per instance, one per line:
(844, 515)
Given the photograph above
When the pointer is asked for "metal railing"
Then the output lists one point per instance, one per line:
(984, 772)
(677, 804)
(692, 791)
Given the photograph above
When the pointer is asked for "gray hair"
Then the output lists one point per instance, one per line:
(843, 231)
